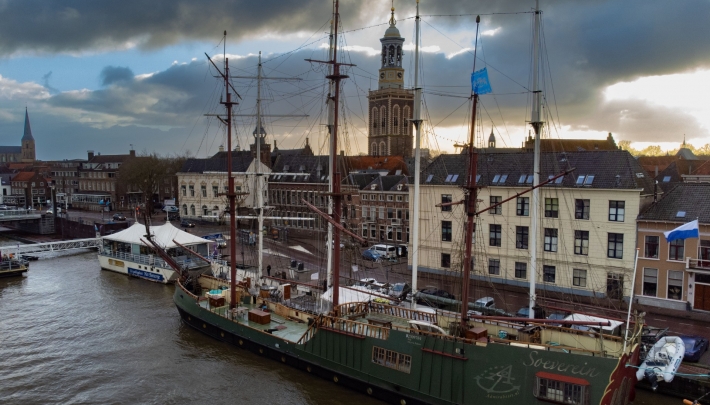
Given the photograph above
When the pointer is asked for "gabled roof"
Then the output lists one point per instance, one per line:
(24, 176)
(11, 149)
(380, 163)
(99, 159)
(27, 136)
(360, 180)
(241, 160)
(316, 169)
(387, 183)
(693, 199)
(611, 170)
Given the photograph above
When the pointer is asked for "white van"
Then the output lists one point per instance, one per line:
(387, 251)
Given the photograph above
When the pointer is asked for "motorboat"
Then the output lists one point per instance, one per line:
(662, 361)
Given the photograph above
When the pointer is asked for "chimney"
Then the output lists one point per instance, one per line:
(221, 148)
(132, 153)
(656, 172)
(342, 153)
(276, 147)
(91, 154)
(306, 141)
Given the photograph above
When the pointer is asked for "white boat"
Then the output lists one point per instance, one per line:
(662, 361)
(125, 252)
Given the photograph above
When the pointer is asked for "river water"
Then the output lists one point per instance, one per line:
(71, 333)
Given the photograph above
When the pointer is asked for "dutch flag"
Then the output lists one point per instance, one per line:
(685, 231)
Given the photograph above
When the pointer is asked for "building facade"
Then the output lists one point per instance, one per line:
(675, 274)
(31, 190)
(587, 224)
(98, 183)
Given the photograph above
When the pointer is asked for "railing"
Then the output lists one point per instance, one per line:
(9, 214)
(150, 260)
(402, 312)
(352, 328)
(701, 264)
(90, 243)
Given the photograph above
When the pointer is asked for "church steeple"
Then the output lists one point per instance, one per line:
(28, 141)
(391, 71)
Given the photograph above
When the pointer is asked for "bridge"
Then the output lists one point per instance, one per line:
(90, 243)
(15, 215)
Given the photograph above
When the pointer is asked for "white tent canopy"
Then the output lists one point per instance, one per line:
(348, 295)
(163, 235)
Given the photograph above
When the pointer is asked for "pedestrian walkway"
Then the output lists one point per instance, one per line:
(55, 246)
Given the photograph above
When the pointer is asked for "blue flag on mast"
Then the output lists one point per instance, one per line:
(480, 83)
(685, 231)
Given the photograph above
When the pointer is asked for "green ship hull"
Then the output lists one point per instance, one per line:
(404, 367)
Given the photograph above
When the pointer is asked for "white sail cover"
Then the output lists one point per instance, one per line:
(348, 295)
(163, 235)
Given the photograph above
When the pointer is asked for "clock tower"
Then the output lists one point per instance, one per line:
(391, 105)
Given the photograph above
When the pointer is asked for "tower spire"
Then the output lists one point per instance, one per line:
(393, 22)
(27, 136)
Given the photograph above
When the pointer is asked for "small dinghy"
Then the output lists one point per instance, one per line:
(662, 361)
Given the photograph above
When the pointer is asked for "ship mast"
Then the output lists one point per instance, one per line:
(537, 124)
(330, 246)
(417, 159)
(470, 199)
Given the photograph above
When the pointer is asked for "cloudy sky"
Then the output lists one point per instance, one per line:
(104, 76)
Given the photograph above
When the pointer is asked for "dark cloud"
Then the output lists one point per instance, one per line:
(45, 81)
(113, 74)
(588, 46)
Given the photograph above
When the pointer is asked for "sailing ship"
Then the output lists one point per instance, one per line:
(400, 354)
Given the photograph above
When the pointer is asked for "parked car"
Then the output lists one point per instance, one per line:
(399, 290)
(171, 208)
(695, 346)
(557, 316)
(485, 303)
(187, 224)
(435, 292)
(371, 255)
(173, 216)
(119, 217)
(524, 312)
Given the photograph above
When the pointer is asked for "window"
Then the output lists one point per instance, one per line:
(364, 230)
(373, 231)
(521, 237)
(616, 246)
(548, 274)
(399, 198)
(390, 197)
(523, 208)
(550, 240)
(581, 243)
(552, 207)
(496, 200)
(184, 191)
(581, 209)
(192, 191)
(521, 270)
(446, 260)
(579, 277)
(192, 210)
(446, 231)
(204, 209)
(446, 198)
(204, 191)
(391, 359)
(390, 213)
(650, 282)
(561, 389)
(651, 247)
(675, 285)
(494, 267)
(496, 235)
(616, 211)
(215, 191)
(184, 208)
(676, 250)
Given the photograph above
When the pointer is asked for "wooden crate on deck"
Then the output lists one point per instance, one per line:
(260, 317)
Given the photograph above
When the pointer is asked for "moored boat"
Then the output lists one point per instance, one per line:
(126, 252)
(662, 361)
(12, 267)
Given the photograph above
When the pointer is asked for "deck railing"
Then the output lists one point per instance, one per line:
(352, 327)
(150, 260)
(402, 312)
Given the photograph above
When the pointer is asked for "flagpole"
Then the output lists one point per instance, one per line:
(631, 300)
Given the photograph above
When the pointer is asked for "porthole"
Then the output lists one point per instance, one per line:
(308, 369)
(204, 326)
(222, 333)
(283, 359)
(241, 342)
(189, 318)
(261, 350)
(402, 402)
(335, 378)
(369, 391)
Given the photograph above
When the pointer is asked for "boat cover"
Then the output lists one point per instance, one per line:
(163, 235)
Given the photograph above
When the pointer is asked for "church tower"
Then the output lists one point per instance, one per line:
(28, 142)
(391, 106)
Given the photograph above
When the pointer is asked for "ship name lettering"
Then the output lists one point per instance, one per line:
(578, 369)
